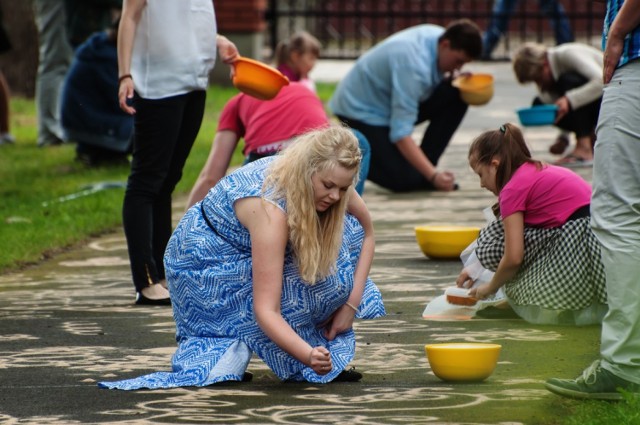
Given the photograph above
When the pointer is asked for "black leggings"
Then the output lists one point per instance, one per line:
(444, 109)
(164, 132)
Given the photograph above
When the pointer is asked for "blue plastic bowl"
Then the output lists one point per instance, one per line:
(537, 115)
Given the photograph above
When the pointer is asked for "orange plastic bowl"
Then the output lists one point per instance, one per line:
(257, 79)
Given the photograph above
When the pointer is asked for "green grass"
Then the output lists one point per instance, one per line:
(625, 412)
(34, 224)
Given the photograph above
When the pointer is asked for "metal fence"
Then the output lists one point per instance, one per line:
(347, 28)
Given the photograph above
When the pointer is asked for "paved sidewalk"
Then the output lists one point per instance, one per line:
(70, 322)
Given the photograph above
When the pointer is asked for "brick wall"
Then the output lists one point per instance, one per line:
(240, 16)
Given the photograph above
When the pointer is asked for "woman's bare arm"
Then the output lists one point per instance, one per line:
(224, 144)
(267, 225)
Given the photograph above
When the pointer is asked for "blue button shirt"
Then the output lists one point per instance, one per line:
(632, 40)
(388, 82)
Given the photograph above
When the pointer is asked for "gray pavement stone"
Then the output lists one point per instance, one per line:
(70, 322)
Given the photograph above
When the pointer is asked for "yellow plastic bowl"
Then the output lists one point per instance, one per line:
(445, 242)
(475, 89)
(463, 361)
(257, 79)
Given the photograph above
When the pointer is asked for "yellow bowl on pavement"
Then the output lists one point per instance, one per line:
(464, 361)
(445, 241)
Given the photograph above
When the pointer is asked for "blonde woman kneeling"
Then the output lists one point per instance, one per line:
(272, 262)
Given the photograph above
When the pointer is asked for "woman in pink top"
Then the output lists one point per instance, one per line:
(541, 248)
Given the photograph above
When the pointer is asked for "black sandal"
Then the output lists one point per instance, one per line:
(560, 145)
(348, 375)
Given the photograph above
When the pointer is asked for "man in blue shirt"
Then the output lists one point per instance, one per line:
(615, 215)
(401, 82)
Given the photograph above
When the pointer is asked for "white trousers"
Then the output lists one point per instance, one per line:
(615, 209)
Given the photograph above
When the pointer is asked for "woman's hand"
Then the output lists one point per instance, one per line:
(482, 291)
(564, 106)
(444, 181)
(456, 73)
(227, 51)
(340, 321)
(464, 280)
(612, 54)
(125, 94)
(320, 360)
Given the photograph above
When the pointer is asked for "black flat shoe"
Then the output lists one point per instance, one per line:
(348, 376)
(142, 300)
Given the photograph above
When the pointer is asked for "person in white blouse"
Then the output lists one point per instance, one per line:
(166, 49)
(569, 76)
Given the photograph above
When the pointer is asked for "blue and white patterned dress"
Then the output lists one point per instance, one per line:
(209, 271)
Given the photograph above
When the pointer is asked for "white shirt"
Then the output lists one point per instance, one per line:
(582, 59)
(174, 47)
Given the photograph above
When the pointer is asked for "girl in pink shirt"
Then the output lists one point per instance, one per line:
(296, 56)
(541, 248)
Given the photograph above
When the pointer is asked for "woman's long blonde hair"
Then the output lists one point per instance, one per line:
(315, 237)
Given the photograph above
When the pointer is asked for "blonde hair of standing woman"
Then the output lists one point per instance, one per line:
(316, 237)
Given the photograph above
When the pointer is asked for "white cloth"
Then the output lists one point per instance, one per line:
(440, 308)
(174, 48)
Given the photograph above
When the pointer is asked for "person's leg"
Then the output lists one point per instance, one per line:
(560, 144)
(556, 13)
(97, 156)
(5, 126)
(581, 121)
(445, 110)
(365, 150)
(55, 56)
(191, 119)
(615, 222)
(500, 15)
(562, 140)
(387, 166)
(147, 202)
(4, 104)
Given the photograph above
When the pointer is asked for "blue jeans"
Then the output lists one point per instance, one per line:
(502, 11)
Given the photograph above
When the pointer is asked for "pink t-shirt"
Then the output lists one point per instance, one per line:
(547, 197)
(295, 110)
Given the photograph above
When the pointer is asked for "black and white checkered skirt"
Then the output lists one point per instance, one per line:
(561, 269)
